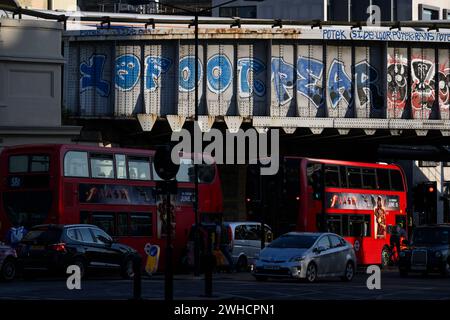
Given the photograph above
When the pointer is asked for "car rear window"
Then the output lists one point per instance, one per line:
(43, 235)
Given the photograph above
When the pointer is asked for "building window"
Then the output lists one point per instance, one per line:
(446, 14)
(242, 12)
(427, 13)
(425, 164)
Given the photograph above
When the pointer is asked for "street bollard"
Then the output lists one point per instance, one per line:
(137, 280)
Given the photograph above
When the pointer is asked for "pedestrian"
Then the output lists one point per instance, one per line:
(15, 234)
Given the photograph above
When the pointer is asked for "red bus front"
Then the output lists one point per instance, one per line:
(359, 201)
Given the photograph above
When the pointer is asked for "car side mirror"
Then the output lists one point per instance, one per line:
(105, 240)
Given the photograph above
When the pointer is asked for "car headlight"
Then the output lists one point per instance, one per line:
(438, 254)
(297, 259)
(402, 254)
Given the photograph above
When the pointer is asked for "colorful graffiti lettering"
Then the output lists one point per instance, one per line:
(422, 87)
(366, 79)
(219, 73)
(187, 73)
(245, 67)
(127, 72)
(154, 67)
(92, 75)
(309, 79)
(283, 78)
(397, 80)
(339, 84)
(444, 86)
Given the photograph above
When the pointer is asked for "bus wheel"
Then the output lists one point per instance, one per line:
(385, 257)
(311, 273)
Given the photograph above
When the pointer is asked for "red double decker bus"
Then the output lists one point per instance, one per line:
(359, 201)
(113, 188)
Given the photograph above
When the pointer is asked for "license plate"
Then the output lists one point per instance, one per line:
(40, 248)
(420, 268)
(271, 267)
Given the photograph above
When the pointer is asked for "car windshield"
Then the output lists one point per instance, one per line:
(294, 241)
(43, 235)
(425, 236)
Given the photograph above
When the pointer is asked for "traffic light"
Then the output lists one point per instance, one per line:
(318, 185)
(425, 200)
(164, 166)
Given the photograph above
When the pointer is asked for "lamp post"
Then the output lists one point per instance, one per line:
(195, 23)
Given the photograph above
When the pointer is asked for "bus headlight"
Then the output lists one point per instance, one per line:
(297, 259)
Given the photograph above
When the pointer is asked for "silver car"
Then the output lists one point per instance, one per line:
(304, 255)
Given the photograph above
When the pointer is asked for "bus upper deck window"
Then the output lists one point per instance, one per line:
(121, 166)
(18, 164)
(396, 180)
(331, 176)
(102, 166)
(139, 168)
(76, 164)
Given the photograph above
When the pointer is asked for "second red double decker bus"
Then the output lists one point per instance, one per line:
(360, 201)
(113, 188)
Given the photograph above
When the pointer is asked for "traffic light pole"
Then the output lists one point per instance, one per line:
(168, 276)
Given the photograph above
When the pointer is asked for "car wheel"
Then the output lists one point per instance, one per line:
(261, 278)
(311, 273)
(241, 264)
(80, 263)
(127, 271)
(8, 271)
(349, 272)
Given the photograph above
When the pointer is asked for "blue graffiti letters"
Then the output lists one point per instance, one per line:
(186, 70)
(339, 84)
(283, 78)
(219, 73)
(154, 67)
(366, 78)
(92, 75)
(128, 69)
(309, 79)
(245, 67)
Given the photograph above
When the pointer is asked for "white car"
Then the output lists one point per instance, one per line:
(304, 255)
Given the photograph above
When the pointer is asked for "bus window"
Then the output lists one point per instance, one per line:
(104, 221)
(383, 179)
(76, 164)
(102, 166)
(354, 178)
(186, 171)
(139, 168)
(310, 170)
(369, 178)
(40, 163)
(121, 166)
(122, 224)
(331, 176)
(18, 164)
(396, 180)
(343, 175)
(334, 224)
(359, 225)
(141, 224)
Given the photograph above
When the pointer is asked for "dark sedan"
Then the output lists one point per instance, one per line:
(55, 247)
(428, 251)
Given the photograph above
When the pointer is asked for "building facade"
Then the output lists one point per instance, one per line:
(30, 83)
